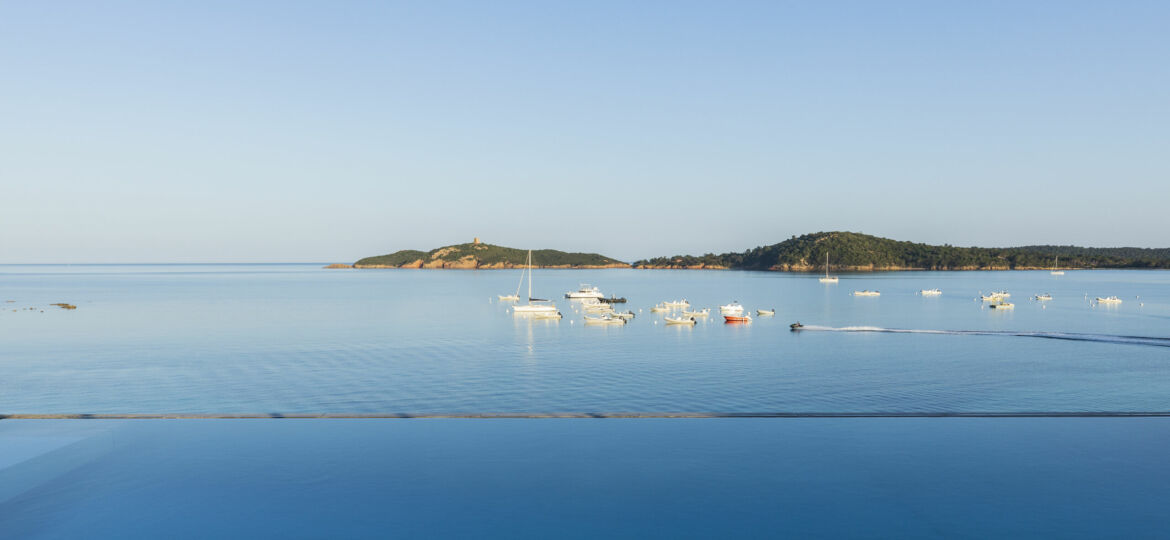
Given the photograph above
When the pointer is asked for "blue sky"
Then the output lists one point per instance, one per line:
(328, 131)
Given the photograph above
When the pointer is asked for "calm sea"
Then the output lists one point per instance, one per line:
(298, 338)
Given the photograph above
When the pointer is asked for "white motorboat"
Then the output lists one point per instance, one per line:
(731, 308)
(1108, 300)
(627, 315)
(994, 296)
(690, 321)
(1055, 265)
(546, 315)
(597, 307)
(532, 306)
(1001, 305)
(828, 278)
(659, 308)
(867, 292)
(1042, 297)
(677, 303)
(701, 313)
(604, 319)
(585, 291)
(930, 292)
(765, 312)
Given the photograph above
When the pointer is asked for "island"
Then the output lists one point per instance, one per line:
(478, 255)
(857, 252)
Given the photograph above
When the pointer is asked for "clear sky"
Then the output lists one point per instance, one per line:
(328, 131)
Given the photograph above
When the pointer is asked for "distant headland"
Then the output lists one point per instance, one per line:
(478, 255)
(856, 252)
(847, 252)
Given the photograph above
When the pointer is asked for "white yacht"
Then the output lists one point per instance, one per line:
(731, 308)
(532, 306)
(585, 291)
(1054, 271)
(828, 278)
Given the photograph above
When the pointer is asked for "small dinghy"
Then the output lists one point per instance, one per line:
(690, 321)
(737, 318)
(766, 312)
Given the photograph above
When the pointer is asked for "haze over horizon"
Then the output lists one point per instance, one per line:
(298, 131)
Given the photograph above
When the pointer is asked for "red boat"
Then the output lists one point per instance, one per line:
(737, 318)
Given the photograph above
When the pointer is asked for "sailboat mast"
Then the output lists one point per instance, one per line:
(529, 275)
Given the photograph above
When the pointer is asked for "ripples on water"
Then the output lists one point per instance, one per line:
(296, 338)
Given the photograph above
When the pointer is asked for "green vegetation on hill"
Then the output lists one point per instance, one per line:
(856, 251)
(473, 255)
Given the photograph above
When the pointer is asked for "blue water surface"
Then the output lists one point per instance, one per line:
(297, 338)
(586, 478)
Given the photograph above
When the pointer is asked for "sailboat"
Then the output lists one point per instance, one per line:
(514, 297)
(1054, 271)
(828, 278)
(532, 306)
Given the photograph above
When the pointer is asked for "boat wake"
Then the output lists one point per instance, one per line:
(1068, 336)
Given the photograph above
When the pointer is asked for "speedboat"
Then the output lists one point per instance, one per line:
(795, 326)
(1042, 297)
(765, 312)
(585, 291)
(690, 321)
(1108, 300)
(737, 318)
(731, 308)
(930, 292)
(867, 292)
(702, 313)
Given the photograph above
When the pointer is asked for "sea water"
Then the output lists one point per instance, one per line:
(295, 338)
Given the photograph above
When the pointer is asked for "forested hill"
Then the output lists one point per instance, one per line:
(480, 255)
(850, 251)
